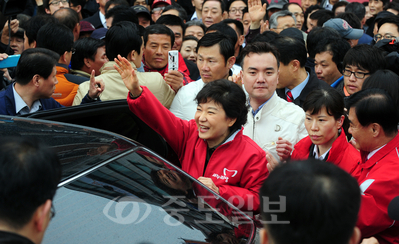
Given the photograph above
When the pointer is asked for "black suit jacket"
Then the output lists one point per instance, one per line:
(95, 20)
(312, 84)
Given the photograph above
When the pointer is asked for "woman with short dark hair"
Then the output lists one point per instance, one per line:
(326, 141)
(212, 147)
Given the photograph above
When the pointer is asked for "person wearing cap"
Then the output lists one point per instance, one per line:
(213, 12)
(281, 20)
(86, 29)
(275, 6)
(98, 19)
(157, 8)
(143, 3)
(143, 15)
(350, 34)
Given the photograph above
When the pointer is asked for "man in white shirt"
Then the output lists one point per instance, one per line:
(215, 59)
(269, 117)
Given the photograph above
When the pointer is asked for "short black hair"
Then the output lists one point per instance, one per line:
(232, 1)
(338, 48)
(385, 2)
(391, 20)
(321, 16)
(375, 106)
(392, 5)
(78, 2)
(222, 4)
(122, 13)
(339, 4)
(365, 57)
(386, 80)
(317, 34)
(237, 23)
(307, 12)
(266, 36)
(351, 18)
(35, 23)
(188, 38)
(290, 49)
(25, 163)
(313, 191)
(224, 29)
(159, 29)
(122, 38)
(56, 37)
(226, 46)
(329, 98)
(116, 3)
(67, 17)
(230, 96)
(35, 61)
(357, 8)
(259, 48)
(171, 20)
(85, 48)
(182, 12)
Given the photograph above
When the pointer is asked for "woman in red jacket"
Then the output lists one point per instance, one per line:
(326, 141)
(211, 147)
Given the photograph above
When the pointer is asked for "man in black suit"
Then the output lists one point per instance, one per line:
(295, 81)
(98, 19)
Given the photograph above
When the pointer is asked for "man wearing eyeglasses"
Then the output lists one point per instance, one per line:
(30, 173)
(359, 63)
(50, 6)
(236, 9)
(388, 28)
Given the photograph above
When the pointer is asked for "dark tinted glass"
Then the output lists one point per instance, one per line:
(140, 199)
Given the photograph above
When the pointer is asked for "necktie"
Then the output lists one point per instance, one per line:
(289, 97)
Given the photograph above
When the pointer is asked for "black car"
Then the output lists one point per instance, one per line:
(115, 190)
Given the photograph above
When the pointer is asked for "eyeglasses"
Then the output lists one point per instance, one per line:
(73, 50)
(57, 3)
(52, 211)
(157, 10)
(359, 75)
(386, 36)
(235, 10)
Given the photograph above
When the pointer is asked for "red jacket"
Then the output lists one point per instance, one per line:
(237, 167)
(379, 183)
(182, 69)
(342, 154)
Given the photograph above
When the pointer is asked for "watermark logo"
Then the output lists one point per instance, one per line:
(115, 208)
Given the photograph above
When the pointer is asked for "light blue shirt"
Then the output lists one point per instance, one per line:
(254, 112)
(296, 91)
(21, 107)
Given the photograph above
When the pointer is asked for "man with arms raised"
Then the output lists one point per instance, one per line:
(215, 59)
(269, 117)
(30, 173)
(373, 120)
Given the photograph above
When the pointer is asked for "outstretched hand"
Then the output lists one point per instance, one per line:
(128, 75)
(256, 12)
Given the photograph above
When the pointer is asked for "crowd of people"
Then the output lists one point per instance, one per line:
(258, 84)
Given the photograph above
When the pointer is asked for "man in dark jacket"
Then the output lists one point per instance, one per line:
(30, 173)
(35, 83)
(295, 81)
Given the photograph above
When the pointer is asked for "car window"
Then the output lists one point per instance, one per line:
(138, 198)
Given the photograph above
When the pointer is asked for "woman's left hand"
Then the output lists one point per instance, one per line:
(209, 183)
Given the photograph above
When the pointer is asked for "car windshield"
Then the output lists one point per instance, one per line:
(138, 198)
